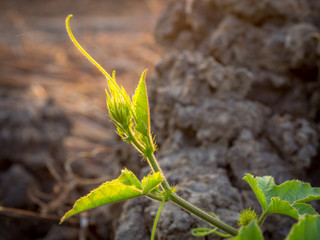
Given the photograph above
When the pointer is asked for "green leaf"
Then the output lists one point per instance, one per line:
(303, 208)
(126, 186)
(278, 206)
(287, 198)
(141, 107)
(150, 182)
(308, 228)
(249, 232)
(131, 179)
(257, 187)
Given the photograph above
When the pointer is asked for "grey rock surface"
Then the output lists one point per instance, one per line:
(237, 91)
(133, 223)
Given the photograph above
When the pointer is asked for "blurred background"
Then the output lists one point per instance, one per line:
(55, 135)
(234, 87)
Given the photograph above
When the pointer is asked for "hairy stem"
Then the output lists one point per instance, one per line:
(203, 215)
(134, 141)
(156, 168)
(151, 160)
(188, 206)
(261, 219)
(154, 197)
(178, 200)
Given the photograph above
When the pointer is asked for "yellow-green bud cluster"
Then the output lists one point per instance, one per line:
(246, 216)
(119, 106)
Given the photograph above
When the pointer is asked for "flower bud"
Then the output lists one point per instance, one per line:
(246, 216)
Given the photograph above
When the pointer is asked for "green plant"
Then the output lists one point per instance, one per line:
(132, 121)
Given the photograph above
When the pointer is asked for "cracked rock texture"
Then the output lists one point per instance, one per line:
(237, 91)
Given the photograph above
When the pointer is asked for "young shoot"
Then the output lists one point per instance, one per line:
(131, 118)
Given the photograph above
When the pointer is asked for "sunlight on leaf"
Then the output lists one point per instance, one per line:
(150, 182)
(126, 186)
(141, 107)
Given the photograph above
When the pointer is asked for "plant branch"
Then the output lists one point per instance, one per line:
(134, 141)
(186, 205)
(154, 197)
(156, 220)
(169, 195)
(261, 219)
(151, 160)
(156, 168)
(203, 215)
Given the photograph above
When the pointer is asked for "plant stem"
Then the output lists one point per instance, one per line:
(156, 220)
(203, 215)
(134, 141)
(263, 216)
(156, 168)
(188, 206)
(178, 200)
(151, 160)
(154, 197)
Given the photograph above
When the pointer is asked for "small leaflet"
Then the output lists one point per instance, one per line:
(126, 186)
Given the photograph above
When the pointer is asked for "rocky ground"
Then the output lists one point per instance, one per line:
(237, 90)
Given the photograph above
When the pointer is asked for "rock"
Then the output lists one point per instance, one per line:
(170, 22)
(265, 11)
(248, 155)
(236, 91)
(221, 120)
(295, 140)
(14, 187)
(303, 44)
(132, 222)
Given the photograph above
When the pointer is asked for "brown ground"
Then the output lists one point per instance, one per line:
(36, 55)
